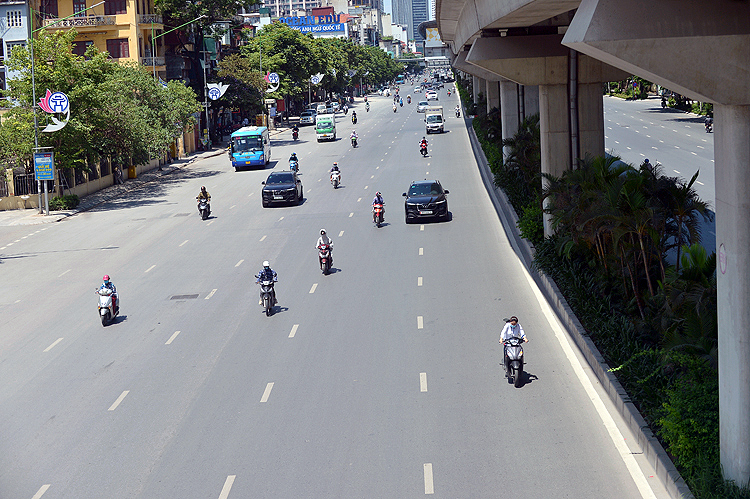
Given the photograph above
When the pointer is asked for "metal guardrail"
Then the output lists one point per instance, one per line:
(83, 21)
(153, 61)
(149, 18)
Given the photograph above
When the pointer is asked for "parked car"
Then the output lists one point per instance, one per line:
(426, 199)
(282, 187)
(307, 117)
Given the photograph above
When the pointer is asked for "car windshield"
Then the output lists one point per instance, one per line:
(307, 113)
(425, 189)
(247, 143)
(434, 118)
(423, 103)
(280, 178)
(322, 125)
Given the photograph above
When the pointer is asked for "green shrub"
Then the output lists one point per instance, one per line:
(531, 224)
(67, 202)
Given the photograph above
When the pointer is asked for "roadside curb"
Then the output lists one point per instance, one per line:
(664, 468)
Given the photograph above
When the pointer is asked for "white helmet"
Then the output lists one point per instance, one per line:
(266, 264)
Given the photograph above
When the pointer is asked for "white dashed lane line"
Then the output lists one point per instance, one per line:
(150, 268)
(119, 400)
(312, 289)
(41, 491)
(262, 238)
(210, 294)
(171, 338)
(421, 251)
(58, 340)
(227, 487)
(64, 273)
(293, 331)
(429, 488)
(419, 281)
(182, 243)
(266, 393)
(341, 233)
(420, 322)
(239, 263)
(422, 382)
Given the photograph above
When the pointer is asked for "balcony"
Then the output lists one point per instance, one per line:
(152, 61)
(149, 19)
(81, 22)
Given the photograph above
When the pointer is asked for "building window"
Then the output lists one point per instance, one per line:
(10, 46)
(113, 7)
(79, 5)
(118, 48)
(48, 8)
(13, 18)
(79, 48)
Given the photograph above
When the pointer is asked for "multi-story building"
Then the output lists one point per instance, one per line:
(121, 27)
(285, 8)
(14, 30)
(418, 16)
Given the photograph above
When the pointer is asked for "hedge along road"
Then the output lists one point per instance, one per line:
(382, 379)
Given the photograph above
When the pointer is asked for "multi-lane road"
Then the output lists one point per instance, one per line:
(381, 380)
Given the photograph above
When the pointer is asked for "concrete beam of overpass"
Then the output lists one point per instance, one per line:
(536, 60)
(696, 48)
(460, 63)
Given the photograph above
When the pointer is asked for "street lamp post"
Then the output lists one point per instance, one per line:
(33, 96)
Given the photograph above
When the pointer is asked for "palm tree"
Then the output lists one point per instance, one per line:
(685, 208)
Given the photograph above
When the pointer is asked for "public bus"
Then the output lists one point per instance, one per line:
(400, 80)
(250, 146)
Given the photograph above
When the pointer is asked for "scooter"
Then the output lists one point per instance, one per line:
(394, 108)
(709, 127)
(367, 107)
(107, 310)
(266, 296)
(354, 119)
(378, 214)
(295, 134)
(203, 208)
(458, 113)
(335, 179)
(294, 166)
(324, 258)
(354, 141)
(513, 360)
(423, 150)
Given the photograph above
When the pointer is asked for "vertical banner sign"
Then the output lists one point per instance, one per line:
(44, 165)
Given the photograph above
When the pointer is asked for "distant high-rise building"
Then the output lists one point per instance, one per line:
(401, 11)
(283, 8)
(418, 16)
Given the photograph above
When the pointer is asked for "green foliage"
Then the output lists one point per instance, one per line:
(67, 202)
(530, 223)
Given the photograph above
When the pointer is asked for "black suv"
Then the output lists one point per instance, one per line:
(282, 187)
(426, 198)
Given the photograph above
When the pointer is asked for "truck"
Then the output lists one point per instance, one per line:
(433, 118)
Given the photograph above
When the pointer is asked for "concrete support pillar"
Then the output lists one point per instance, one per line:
(732, 177)
(531, 100)
(555, 134)
(477, 86)
(492, 92)
(509, 112)
(590, 120)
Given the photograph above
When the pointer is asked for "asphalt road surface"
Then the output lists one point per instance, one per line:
(381, 380)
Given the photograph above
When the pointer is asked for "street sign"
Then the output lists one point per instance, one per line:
(44, 165)
(270, 101)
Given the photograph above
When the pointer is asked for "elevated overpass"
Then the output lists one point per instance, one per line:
(565, 49)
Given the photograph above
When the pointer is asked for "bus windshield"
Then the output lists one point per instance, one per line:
(245, 143)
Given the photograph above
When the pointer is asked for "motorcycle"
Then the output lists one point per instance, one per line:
(401, 103)
(354, 141)
(335, 179)
(367, 107)
(354, 119)
(294, 166)
(394, 108)
(709, 127)
(663, 103)
(449, 93)
(295, 134)
(513, 360)
(408, 100)
(378, 214)
(458, 113)
(365, 98)
(324, 258)
(423, 150)
(203, 208)
(107, 310)
(266, 296)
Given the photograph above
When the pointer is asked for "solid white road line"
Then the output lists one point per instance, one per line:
(267, 392)
(614, 433)
(429, 488)
(171, 338)
(312, 290)
(262, 239)
(58, 340)
(227, 487)
(422, 382)
(341, 233)
(64, 273)
(420, 322)
(41, 491)
(239, 263)
(182, 243)
(119, 399)
(421, 251)
(210, 294)
(293, 331)
(419, 281)
(150, 268)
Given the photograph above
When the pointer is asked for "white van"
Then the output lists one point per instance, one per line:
(321, 109)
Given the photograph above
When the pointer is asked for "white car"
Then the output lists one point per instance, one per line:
(307, 117)
(417, 90)
(422, 105)
(431, 95)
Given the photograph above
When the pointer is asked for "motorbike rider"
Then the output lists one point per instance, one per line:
(324, 239)
(295, 129)
(378, 200)
(401, 102)
(268, 274)
(709, 123)
(108, 284)
(367, 106)
(204, 195)
(354, 136)
(293, 157)
(512, 329)
(354, 117)
(423, 143)
(334, 168)
(394, 107)
(458, 109)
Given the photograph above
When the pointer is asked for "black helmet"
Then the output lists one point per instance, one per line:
(513, 319)
(203, 188)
